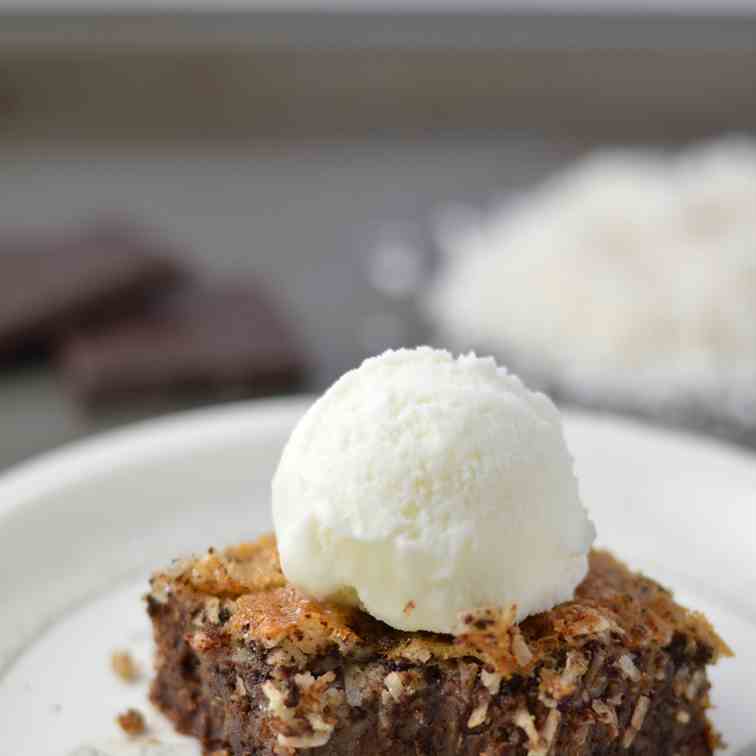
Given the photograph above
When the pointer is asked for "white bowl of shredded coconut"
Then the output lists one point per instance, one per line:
(628, 280)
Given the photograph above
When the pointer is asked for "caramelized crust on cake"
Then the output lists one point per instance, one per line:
(250, 664)
(265, 609)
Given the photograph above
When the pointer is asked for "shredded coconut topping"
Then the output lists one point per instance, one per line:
(632, 277)
(607, 715)
(636, 721)
(548, 734)
(304, 725)
(240, 687)
(520, 648)
(627, 665)
(524, 720)
(697, 680)
(313, 740)
(491, 681)
(557, 686)
(478, 715)
(394, 686)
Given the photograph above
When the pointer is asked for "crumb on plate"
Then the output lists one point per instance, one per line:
(132, 722)
(124, 666)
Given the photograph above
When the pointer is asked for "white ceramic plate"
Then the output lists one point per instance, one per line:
(80, 530)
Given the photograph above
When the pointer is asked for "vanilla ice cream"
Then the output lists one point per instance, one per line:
(420, 487)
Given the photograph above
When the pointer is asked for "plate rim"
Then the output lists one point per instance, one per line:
(82, 458)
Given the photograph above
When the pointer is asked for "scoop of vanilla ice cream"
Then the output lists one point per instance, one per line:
(420, 487)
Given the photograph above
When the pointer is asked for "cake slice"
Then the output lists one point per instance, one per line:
(249, 665)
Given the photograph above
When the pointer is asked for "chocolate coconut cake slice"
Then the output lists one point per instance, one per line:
(431, 590)
(250, 665)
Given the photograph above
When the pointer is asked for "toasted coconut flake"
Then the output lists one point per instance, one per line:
(487, 635)
(478, 715)
(697, 680)
(626, 664)
(522, 652)
(491, 681)
(558, 686)
(286, 656)
(212, 610)
(303, 725)
(394, 686)
(547, 734)
(315, 691)
(401, 685)
(592, 622)
(305, 681)
(595, 680)
(240, 687)
(202, 642)
(353, 687)
(574, 669)
(413, 650)
(551, 726)
(682, 716)
(313, 740)
(636, 721)
(524, 720)
(276, 702)
(639, 714)
(319, 724)
(360, 684)
(606, 715)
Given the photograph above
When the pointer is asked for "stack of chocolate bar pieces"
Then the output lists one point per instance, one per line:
(124, 317)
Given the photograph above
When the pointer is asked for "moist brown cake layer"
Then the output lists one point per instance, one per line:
(250, 666)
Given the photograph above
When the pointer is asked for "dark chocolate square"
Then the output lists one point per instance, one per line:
(49, 286)
(222, 339)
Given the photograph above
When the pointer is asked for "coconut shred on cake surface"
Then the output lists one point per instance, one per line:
(630, 277)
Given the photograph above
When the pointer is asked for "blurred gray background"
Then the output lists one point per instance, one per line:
(295, 144)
